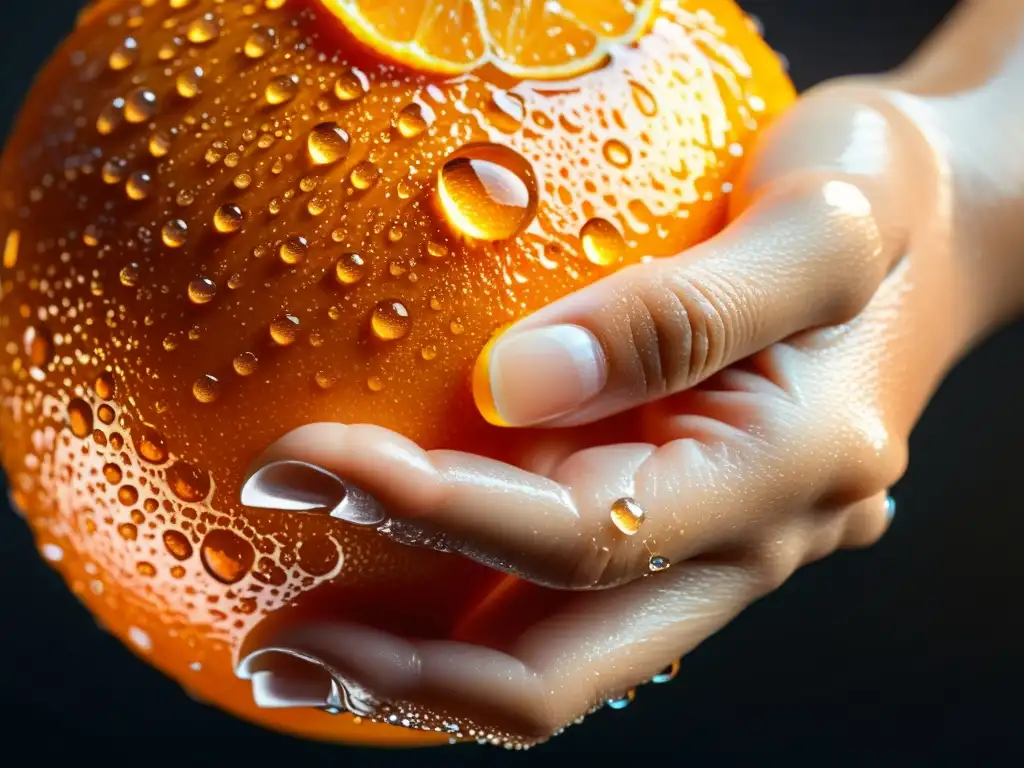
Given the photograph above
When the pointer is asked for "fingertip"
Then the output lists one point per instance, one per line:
(483, 391)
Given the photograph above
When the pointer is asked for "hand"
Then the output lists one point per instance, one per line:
(751, 397)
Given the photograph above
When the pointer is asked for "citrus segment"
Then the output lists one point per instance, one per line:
(524, 38)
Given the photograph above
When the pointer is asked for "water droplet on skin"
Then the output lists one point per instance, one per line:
(104, 386)
(206, 389)
(189, 82)
(260, 42)
(284, 329)
(487, 192)
(80, 418)
(188, 483)
(602, 243)
(129, 275)
(364, 175)
(228, 218)
(351, 84)
(226, 556)
(174, 233)
(150, 445)
(506, 111)
(327, 143)
(202, 290)
(245, 364)
(617, 153)
(281, 89)
(627, 515)
(411, 121)
(624, 701)
(124, 55)
(139, 185)
(140, 105)
(203, 30)
(668, 674)
(178, 545)
(390, 320)
(658, 563)
(294, 250)
(350, 268)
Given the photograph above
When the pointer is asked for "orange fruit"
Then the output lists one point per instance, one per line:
(221, 221)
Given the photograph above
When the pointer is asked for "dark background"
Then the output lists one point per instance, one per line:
(912, 652)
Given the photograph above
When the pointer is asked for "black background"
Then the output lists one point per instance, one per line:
(912, 652)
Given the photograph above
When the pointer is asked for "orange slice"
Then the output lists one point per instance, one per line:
(534, 39)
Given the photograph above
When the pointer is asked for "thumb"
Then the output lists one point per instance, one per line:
(819, 225)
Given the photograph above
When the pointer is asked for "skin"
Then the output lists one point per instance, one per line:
(754, 395)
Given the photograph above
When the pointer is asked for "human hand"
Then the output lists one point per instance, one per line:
(752, 396)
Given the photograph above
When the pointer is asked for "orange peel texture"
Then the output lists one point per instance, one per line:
(222, 221)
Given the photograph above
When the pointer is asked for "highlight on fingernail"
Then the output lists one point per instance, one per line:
(298, 486)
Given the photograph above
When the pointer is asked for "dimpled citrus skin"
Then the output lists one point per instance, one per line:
(151, 347)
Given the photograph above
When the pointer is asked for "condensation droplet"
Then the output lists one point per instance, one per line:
(80, 418)
(328, 143)
(177, 544)
(112, 473)
(228, 218)
(124, 55)
(159, 144)
(206, 388)
(128, 495)
(364, 175)
(150, 445)
(390, 320)
(187, 482)
(104, 386)
(351, 84)
(203, 30)
(38, 345)
(350, 268)
(174, 233)
(226, 556)
(140, 105)
(281, 89)
(294, 250)
(617, 153)
(284, 329)
(411, 121)
(245, 364)
(260, 42)
(139, 185)
(602, 243)
(627, 515)
(129, 275)
(202, 290)
(487, 192)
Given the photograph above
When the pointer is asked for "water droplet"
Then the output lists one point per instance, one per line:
(259, 43)
(411, 121)
(351, 84)
(203, 30)
(624, 701)
(668, 674)
(104, 386)
(177, 545)
(294, 250)
(106, 414)
(658, 563)
(487, 192)
(206, 388)
(436, 250)
(187, 482)
(350, 268)
(150, 445)
(506, 111)
(429, 352)
(390, 320)
(281, 89)
(228, 218)
(364, 175)
(140, 105)
(242, 181)
(325, 379)
(602, 243)
(374, 384)
(245, 364)
(284, 329)
(185, 198)
(128, 531)
(643, 99)
(327, 143)
(174, 233)
(617, 153)
(127, 495)
(129, 275)
(38, 344)
(189, 82)
(80, 418)
(110, 117)
(202, 290)
(159, 144)
(226, 556)
(12, 247)
(139, 185)
(112, 473)
(124, 55)
(627, 515)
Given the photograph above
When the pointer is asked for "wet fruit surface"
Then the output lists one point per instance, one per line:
(220, 223)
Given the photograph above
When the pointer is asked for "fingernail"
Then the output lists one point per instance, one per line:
(297, 486)
(890, 508)
(286, 679)
(535, 376)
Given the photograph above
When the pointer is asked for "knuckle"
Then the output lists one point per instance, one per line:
(873, 461)
(773, 562)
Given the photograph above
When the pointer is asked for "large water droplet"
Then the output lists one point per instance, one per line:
(228, 218)
(177, 544)
(80, 418)
(174, 233)
(617, 153)
(206, 389)
(226, 556)
(350, 268)
(487, 192)
(351, 85)
(260, 42)
(150, 444)
(627, 515)
(281, 89)
(294, 250)
(203, 30)
(390, 320)
(284, 329)
(140, 105)
(124, 55)
(411, 121)
(328, 143)
(245, 364)
(188, 483)
(202, 290)
(602, 243)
